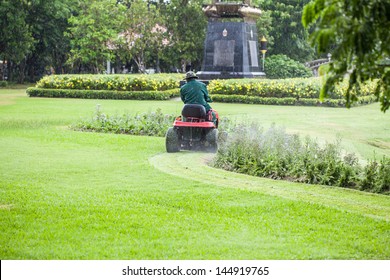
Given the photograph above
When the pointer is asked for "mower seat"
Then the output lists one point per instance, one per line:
(194, 111)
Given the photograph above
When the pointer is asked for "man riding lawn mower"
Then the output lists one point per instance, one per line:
(197, 127)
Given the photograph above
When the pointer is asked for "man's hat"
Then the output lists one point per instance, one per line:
(191, 75)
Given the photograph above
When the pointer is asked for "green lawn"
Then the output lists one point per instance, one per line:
(73, 195)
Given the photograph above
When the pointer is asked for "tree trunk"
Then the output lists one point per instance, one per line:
(22, 69)
(2, 70)
(10, 70)
(183, 66)
(140, 63)
(158, 70)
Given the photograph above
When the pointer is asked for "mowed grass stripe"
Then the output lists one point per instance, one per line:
(194, 166)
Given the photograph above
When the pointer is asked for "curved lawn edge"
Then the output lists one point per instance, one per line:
(193, 166)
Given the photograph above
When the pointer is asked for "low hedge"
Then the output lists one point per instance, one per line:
(103, 94)
(133, 82)
(284, 88)
(295, 91)
(3, 83)
(289, 100)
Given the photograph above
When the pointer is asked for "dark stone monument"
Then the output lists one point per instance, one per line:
(231, 47)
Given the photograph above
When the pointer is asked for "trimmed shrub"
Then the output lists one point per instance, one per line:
(156, 82)
(103, 94)
(139, 87)
(297, 91)
(284, 92)
(296, 88)
(282, 67)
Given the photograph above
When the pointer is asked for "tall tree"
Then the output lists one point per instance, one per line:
(143, 33)
(31, 33)
(282, 21)
(187, 24)
(48, 20)
(16, 40)
(92, 29)
(358, 30)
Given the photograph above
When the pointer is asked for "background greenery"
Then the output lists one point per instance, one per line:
(282, 67)
(70, 36)
(74, 195)
(359, 42)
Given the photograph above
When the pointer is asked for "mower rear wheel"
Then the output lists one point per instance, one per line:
(172, 141)
(212, 140)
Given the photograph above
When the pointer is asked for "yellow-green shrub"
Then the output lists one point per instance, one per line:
(298, 88)
(156, 82)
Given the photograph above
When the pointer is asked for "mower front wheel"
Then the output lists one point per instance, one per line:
(172, 141)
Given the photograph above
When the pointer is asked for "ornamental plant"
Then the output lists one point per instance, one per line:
(149, 124)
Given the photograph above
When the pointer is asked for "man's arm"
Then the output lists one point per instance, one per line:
(206, 95)
(181, 95)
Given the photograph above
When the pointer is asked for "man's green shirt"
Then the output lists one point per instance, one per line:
(195, 92)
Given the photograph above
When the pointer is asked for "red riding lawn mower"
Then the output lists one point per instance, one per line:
(194, 130)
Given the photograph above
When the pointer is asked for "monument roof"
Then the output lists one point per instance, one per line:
(232, 9)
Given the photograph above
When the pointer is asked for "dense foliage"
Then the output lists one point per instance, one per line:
(186, 25)
(282, 67)
(91, 31)
(32, 37)
(70, 36)
(284, 29)
(358, 33)
(275, 154)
